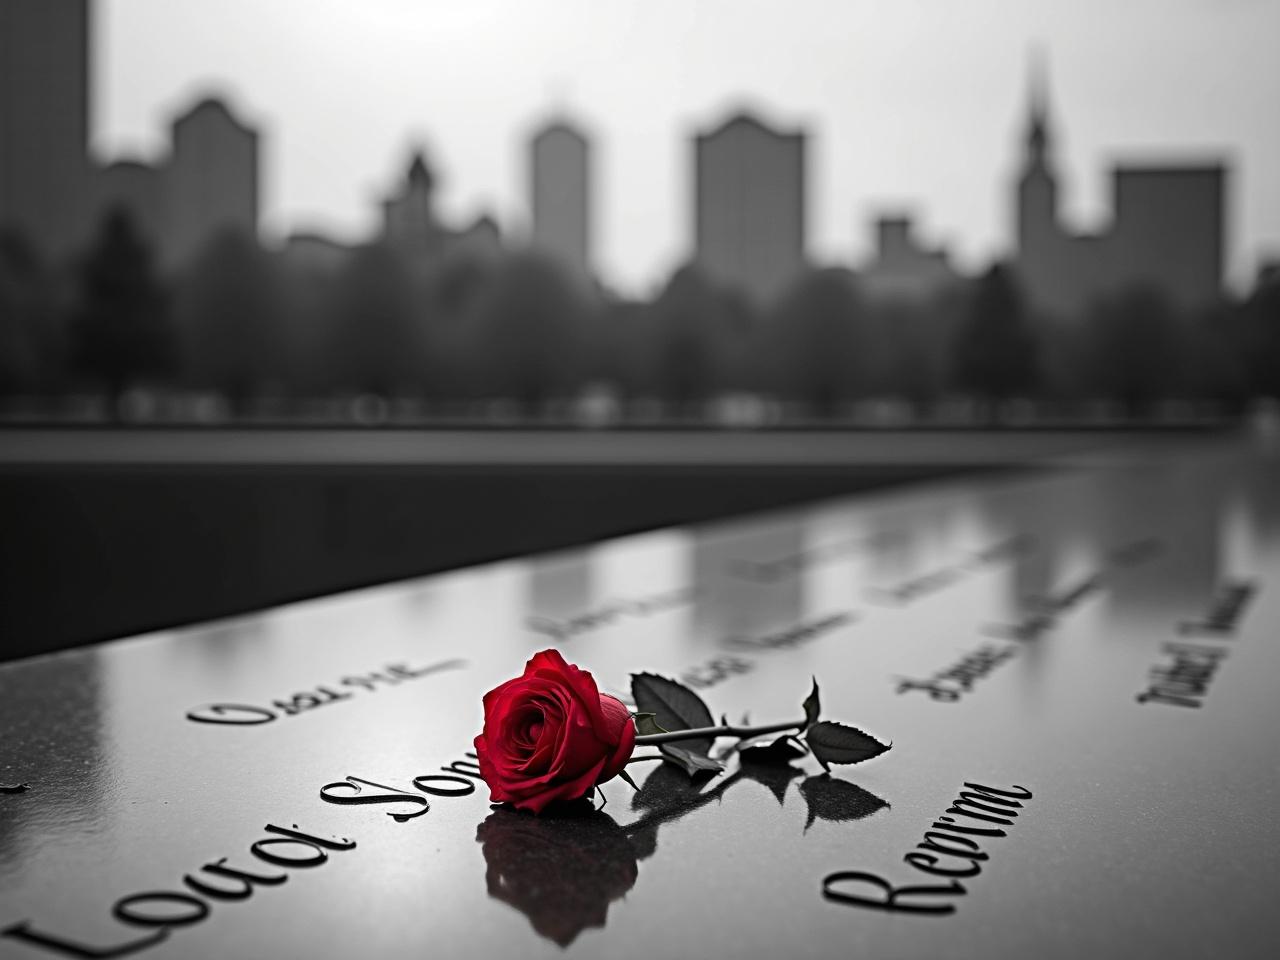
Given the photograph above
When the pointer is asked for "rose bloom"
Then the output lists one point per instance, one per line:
(550, 735)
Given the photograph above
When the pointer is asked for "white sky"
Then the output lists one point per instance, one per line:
(911, 104)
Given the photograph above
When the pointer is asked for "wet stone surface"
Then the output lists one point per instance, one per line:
(1077, 670)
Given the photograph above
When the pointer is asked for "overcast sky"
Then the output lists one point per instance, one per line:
(911, 104)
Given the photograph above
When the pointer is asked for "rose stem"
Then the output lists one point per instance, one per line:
(656, 756)
(703, 732)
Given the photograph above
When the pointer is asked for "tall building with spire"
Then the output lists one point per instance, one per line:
(412, 227)
(560, 195)
(1059, 270)
(1166, 231)
(409, 214)
(1037, 211)
(44, 122)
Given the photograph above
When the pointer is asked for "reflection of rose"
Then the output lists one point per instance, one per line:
(549, 735)
(561, 871)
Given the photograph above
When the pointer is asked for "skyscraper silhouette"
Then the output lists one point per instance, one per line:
(560, 195)
(1168, 232)
(139, 189)
(211, 183)
(749, 206)
(903, 269)
(44, 122)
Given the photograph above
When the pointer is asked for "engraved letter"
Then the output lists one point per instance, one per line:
(342, 843)
(930, 866)
(242, 892)
(464, 767)
(890, 901)
(951, 825)
(1155, 695)
(330, 792)
(547, 626)
(983, 800)
(463, 785)
(313, 859)
(218, 713)
(22, 931)
(1020, 793)
(931, 844)
(126, 909)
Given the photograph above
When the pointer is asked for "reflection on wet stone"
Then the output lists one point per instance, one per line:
(732, 605)
(562, 871)
(70, 777)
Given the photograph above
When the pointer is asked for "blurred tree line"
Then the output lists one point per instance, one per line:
(244, 324)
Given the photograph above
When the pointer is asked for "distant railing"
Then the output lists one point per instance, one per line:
(739, 411)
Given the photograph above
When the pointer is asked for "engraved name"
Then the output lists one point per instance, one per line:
(457, 779)
(767, 571)
(951, 849)
(1227, 607)
(562, 630)
(950, 684)
(247, 715)
(935, 580)
(795, 636)
(162, 911)
(716, 671)
(1049, 609)
(709, 673)
(720, 669)
(1184, 682)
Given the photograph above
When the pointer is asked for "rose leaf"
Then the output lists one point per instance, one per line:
(646, 724)
(675, 707)
(627, 777)
(692, 763)
(812, 706)
(837, 743)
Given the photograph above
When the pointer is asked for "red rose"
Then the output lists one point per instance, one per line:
(551, 735)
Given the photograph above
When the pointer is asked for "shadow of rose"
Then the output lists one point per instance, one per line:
(836, 800)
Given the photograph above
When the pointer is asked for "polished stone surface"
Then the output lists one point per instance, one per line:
(999, 630)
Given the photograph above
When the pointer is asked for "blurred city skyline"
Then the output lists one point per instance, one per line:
(471, 84)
